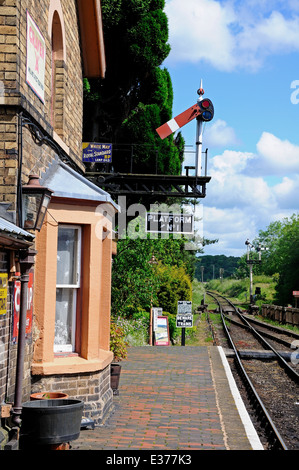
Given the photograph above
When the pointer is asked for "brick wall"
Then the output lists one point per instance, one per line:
(93, 388)
(9, 99)
(61, 116)
(8, 50)
(58, 119)
(67, 82)
(5, 321)
(8, 350)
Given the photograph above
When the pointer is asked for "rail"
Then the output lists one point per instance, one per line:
(275, 439)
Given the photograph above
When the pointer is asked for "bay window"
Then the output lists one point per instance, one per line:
(67, 287)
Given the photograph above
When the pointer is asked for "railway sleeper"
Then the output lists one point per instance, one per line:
(259, 354)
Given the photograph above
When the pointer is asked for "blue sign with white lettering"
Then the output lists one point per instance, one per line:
(96, 152)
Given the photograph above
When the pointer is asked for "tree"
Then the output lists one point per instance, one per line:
(174, 285)
(286, 254)
(133, 282)
(282, 257)
(212, 265)
(269, 239)
(136, 283)
(136, 95)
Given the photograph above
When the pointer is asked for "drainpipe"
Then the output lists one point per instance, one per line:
(26, 263)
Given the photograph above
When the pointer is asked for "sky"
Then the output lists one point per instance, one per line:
(247, 55)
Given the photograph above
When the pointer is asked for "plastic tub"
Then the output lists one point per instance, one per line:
(47, 422)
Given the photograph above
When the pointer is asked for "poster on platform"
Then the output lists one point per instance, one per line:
(162, 332)
(157, 312)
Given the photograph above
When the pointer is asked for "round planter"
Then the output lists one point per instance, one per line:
(48, 396)
(48, 422)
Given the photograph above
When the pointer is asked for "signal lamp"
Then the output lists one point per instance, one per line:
(205, 104)
(207, 116)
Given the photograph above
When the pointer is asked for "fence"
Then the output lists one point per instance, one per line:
(283, 315)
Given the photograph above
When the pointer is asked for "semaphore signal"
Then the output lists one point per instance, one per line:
(203, 111)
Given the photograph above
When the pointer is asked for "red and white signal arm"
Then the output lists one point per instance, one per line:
(203, 110)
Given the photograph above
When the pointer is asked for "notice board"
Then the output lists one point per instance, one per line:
(162, 332)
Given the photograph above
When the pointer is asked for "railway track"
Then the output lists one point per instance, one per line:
(263, 357)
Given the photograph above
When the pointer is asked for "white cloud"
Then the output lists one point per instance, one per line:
(198, 30)
(220, 134)
(272, 35)
(231, 229)
(229, 36)
(231, 162)
(278, 155)
(240, 202)
(286, 192)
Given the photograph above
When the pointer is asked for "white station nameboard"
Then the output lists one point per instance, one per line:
(162, 222)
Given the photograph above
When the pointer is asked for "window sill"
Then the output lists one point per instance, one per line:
(65, 354)
(72, 364)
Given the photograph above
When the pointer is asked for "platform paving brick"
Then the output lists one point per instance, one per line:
(170, 398)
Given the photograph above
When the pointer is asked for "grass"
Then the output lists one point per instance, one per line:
(238, 290)
(200, 334)
(198, 291)
(295, 329)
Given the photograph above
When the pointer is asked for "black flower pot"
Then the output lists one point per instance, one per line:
(47, 422)
(114, 377)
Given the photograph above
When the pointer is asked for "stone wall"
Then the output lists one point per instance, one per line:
(59, 118)
(63, 76)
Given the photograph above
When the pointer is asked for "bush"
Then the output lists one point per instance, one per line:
(118, 344)
(135, 328)
(174, 285)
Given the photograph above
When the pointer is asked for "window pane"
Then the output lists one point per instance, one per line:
(65, 320)
(67, 256)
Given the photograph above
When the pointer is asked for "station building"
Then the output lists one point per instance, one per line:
(55, 280)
